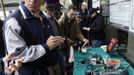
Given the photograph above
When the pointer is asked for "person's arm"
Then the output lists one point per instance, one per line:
(78, 32)
(16, 44)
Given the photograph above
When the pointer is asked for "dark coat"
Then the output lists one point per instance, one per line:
(97, 31)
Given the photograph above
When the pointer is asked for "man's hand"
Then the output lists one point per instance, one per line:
(54, 41)
(12, 67)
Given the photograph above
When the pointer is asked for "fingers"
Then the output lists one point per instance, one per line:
(19, 62)
(57, 43)
(8, 57)
(54, 41)
(8, 70)
(13, 67)
(57, 38)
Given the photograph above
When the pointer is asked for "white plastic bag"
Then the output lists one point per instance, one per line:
(71, 54)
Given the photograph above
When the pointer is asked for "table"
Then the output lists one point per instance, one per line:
(79, 68)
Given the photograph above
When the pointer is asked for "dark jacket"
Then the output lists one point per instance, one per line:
(31, 34)
(97, 31)
(60, 48)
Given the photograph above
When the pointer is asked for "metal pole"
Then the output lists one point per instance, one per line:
(3, 8)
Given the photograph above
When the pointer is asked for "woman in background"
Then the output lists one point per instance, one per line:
(83, 14)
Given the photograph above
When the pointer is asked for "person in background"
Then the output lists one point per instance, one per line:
(69, 28)
(77, 3)
(56, 5)
(96, 28)
(52, 6)
(84, 13)
(28, 33)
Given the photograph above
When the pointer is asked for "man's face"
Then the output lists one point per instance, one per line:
(71, 14)
(33, 5)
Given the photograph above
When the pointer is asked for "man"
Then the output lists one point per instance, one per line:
(96, 28)
(28, 34)
(52, 6)
(69, 28)
(68, 25)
